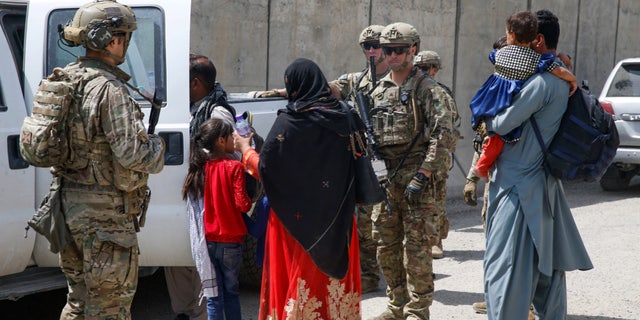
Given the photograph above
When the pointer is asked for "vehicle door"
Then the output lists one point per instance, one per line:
(17, 178)
(157, 60)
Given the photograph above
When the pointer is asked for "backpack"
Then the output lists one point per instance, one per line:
(43, 137)
(586, 141)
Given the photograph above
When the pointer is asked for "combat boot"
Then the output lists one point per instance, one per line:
(387, 315)
(436, 251)
(480, 307)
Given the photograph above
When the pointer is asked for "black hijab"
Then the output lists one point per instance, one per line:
(306, 86)
(306, 167)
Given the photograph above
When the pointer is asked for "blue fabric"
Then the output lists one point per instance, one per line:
(546, 60)
(492, 56)
(258, 227)
(226, 259)
(493, 97)
(530, 228)
(497, 92)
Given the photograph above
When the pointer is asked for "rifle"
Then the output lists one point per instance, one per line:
(155, 113)
(364, 104)
(156, 106)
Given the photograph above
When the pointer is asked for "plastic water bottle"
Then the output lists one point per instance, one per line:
(242, 126)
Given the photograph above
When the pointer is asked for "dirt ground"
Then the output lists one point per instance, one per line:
(609, 224)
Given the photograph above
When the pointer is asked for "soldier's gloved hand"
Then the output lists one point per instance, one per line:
(415, 188)
(469, 193)
(269, 94)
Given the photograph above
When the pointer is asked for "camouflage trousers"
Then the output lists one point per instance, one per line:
(101, 264)
(485, 204)
(370, 272)
(442, 223)
(404, 241)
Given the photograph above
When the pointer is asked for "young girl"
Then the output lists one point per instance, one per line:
(221, 182)
(514, 64)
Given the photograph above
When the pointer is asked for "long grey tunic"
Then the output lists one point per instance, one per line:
(523, 194)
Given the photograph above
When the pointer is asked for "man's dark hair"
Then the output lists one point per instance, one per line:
(549, 27)
(524, 25)
(202, 68)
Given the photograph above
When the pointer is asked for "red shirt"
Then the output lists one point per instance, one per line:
(225, 199)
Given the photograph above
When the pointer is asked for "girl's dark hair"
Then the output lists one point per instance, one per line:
(500, 43)
(201, 150)
(524, 25)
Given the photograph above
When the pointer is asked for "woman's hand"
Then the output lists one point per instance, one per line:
(241, 143)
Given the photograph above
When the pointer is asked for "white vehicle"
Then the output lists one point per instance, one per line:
(620, 96)
(157, 60)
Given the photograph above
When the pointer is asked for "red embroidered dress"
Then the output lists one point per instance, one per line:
(292, 285)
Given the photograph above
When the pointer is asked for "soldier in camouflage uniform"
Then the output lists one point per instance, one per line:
(412, 129)
(429, 63)
(348, 85)
(105, 188)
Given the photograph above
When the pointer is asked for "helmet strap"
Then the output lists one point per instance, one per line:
(119, 59)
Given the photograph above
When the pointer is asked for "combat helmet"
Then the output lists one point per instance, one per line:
(400, 33)
(95, 23)
(370, 33)
(427, 57)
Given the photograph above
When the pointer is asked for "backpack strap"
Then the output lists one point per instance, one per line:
(363, 73)
(418, 115)
(545, 151)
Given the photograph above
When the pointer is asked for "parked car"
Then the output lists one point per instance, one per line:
(620, 96)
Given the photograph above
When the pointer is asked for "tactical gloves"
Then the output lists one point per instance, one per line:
(469, 193)
(415, 188)
(264, 94)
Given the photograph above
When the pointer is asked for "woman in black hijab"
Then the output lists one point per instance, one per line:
(311, 262)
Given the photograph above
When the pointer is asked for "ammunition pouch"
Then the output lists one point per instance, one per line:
(392, 128)
(136, 204)
(49, 219)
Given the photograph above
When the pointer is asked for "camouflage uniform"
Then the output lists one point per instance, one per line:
(101, 200)
(429, 62)
(348, 85)
(444, 97)
(469, 192)
(406, 235)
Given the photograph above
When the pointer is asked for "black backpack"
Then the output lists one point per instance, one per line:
(586, 142)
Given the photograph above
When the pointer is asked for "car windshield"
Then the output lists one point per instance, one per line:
(145, 60)
(626, 82)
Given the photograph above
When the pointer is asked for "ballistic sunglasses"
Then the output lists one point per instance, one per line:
(370, 44)
(425, 67)
(397, 50)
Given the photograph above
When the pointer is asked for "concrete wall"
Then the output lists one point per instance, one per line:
(252, 41)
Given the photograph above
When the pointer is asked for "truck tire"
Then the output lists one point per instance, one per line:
(615, 179)
(250, 273)
(251, 270)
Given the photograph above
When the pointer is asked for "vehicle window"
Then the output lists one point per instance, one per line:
(13, 25)
(626, 82)
(145, 60)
